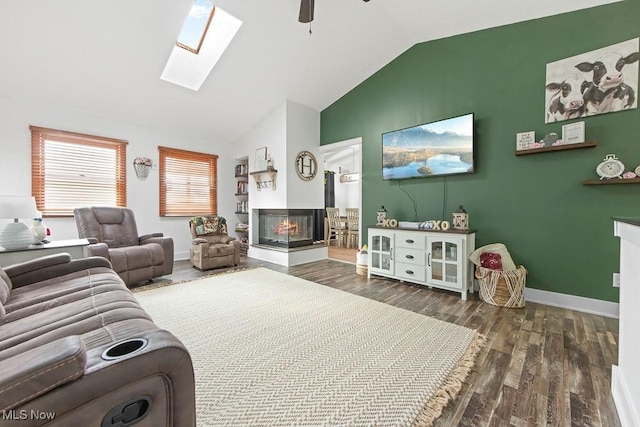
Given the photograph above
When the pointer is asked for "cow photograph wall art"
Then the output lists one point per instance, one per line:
(601, 81)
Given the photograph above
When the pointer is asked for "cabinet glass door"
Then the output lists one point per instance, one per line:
(436, 260)
(380, 252)
(443, 263)
(451, 256)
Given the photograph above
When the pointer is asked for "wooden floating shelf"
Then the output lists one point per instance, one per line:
(265, 178)
(562, 147)
(612, 181)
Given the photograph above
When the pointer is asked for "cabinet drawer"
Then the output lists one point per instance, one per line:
(410, 240)
(411, 256)
(410, 272)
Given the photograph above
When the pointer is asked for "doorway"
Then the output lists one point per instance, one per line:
(344, 159)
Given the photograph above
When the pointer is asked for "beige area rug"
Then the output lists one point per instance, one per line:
(274, 350)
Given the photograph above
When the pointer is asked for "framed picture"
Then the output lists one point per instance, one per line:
(524, 140)
(261, 159)
(575, 86)
(573, 133)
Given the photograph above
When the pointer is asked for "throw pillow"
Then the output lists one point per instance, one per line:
(491, 260)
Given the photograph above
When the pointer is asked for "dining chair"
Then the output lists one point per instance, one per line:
(353, 230)
(336, 226)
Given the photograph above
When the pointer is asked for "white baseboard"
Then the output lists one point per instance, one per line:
(626, 411)
(573, 302)
(181, 256)
(288, 259)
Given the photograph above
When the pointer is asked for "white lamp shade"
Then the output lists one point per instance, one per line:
(16, 235)
(20, 207)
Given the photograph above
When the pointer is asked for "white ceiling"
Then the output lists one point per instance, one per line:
(107, 57)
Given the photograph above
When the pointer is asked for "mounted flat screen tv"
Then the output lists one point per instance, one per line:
(444, 147)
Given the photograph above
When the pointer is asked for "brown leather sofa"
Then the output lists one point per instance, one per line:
(76, 349)
(113, 234)
(211, 246)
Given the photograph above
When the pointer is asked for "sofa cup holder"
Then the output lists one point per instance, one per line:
(124, 348)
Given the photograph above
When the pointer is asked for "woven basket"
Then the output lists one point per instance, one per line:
(502, 288)
(361, 269)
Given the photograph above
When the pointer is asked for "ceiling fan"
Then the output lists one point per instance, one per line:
(306, 11)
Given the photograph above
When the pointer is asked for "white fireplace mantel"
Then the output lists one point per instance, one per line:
(625, 381)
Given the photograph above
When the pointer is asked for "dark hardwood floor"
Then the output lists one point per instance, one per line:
(541, 365)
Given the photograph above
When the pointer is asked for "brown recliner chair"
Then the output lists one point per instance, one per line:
(113, 234)
(77, 349)
(211, 246)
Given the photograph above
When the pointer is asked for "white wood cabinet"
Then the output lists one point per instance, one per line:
(437, 259)
(625, 381)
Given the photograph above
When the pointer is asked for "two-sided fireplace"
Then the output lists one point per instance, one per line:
(285, 228)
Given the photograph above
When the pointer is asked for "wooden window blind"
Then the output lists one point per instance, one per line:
(70, 170)
(188, 183)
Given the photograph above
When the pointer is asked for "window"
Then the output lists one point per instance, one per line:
(196, 25)
(70, 170)
(188, 183)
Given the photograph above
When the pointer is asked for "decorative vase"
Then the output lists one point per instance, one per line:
(142, 171)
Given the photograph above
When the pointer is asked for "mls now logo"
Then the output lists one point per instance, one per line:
(23, 414)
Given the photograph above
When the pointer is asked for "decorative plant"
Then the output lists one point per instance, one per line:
(143, 161)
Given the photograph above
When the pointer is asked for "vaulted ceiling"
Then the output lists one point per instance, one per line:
(107, 57)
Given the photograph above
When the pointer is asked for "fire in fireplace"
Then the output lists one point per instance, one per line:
(285, 228)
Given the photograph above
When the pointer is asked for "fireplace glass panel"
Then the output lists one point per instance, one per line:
(286, 228)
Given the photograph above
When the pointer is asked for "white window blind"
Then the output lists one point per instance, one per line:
(70, 170)
(188, 183)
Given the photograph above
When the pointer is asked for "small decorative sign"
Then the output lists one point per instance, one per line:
(524, 140)
(573, 133)
(389, 222)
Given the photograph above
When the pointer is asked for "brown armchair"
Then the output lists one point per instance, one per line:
(113, 234)
(211, 246)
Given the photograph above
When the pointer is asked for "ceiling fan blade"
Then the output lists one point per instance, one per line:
(306, 11)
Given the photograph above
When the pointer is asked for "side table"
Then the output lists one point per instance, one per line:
(77, 248)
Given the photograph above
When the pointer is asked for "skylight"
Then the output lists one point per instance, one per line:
(195, 26)
(204, 37)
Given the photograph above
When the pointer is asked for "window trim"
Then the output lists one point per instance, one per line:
(39, 136)
(177, 153)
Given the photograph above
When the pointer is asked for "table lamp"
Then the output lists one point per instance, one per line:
(16, 235)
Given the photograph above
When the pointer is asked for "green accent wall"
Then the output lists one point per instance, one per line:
(560, 230)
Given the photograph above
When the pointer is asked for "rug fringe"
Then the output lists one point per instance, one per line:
(452, 385)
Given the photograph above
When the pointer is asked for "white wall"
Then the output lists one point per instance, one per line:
(142, 196)
(270, 132)
(303, 133)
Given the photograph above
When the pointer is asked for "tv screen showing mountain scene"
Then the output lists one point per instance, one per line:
(444, 147)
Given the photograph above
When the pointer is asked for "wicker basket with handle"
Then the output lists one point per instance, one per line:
(502, 288)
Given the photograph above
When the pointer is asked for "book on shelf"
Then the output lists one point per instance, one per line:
(241, 187)
(242, 207)
(241, 169)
